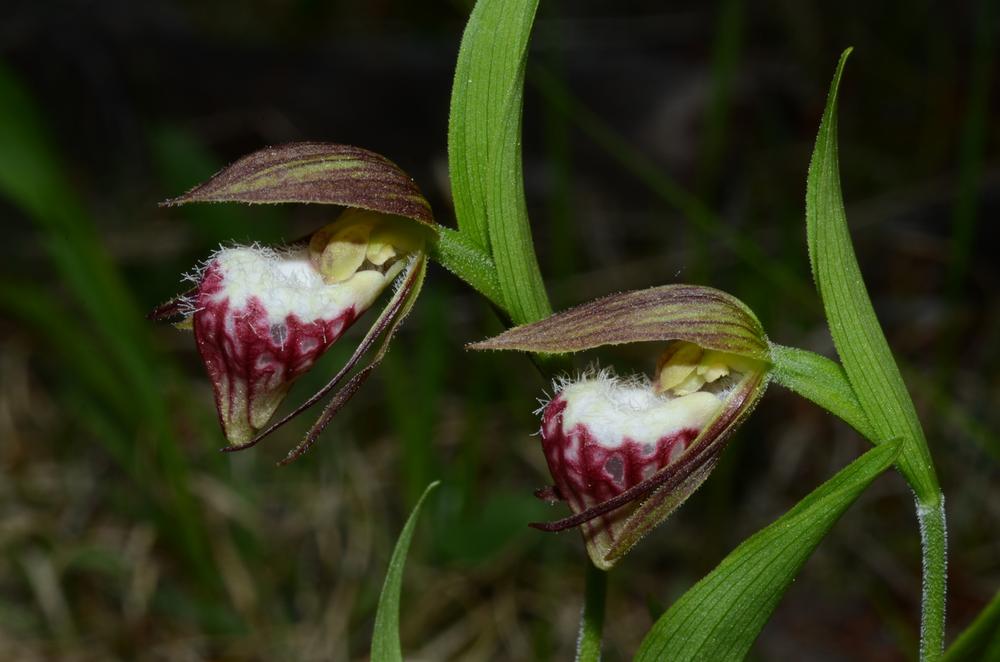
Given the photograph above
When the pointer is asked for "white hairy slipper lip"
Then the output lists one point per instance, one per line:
(262, 317)
(602, 436)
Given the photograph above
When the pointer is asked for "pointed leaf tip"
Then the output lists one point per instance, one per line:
(385, 637)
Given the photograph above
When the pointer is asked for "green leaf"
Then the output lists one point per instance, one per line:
(821, 380)
(981, 640)
(385, 638)
(720, 617)
(869, 364)
(705, 316)
(324, 173)
(862, 346)
(484, 150)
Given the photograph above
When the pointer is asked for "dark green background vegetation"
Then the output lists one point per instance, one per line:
(664, 142)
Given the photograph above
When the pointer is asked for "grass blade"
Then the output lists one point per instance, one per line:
(720, 617)
(33, 179)
(385, 638)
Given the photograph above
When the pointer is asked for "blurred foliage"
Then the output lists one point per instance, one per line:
(662, 144)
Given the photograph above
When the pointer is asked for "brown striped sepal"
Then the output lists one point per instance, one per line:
(704, 316)
(315, 172)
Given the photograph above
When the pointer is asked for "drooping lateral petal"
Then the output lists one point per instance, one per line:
(316, 172)
(389, 319)
(704, 316)
(692, 472)
(386, 325)
(174, 309)
(261, 319)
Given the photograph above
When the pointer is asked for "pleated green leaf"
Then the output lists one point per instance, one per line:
(484, 150)
(720, 617)
(385, 637)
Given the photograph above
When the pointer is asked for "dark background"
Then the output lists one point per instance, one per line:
(664, 142)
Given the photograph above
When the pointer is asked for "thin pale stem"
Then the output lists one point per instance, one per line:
(588, 646)
(934, 543)
(457, 254)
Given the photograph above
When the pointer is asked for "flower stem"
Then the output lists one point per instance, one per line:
(457, 254)
(588, 646)
(934, 543)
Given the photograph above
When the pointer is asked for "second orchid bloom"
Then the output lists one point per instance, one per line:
(625, 453)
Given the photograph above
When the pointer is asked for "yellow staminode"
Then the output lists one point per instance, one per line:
(360, 240)
(383, 245)
(684, 368)
(677, 365)
(338, 250)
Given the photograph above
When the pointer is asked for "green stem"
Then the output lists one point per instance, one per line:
(588, 646)
(456, 253)
(934, 542)
(822, 381)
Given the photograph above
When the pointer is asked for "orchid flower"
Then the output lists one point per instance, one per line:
(262, 316)
(625, 453)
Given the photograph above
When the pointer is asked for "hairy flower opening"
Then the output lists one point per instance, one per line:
(603, 436)
(262, 316)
